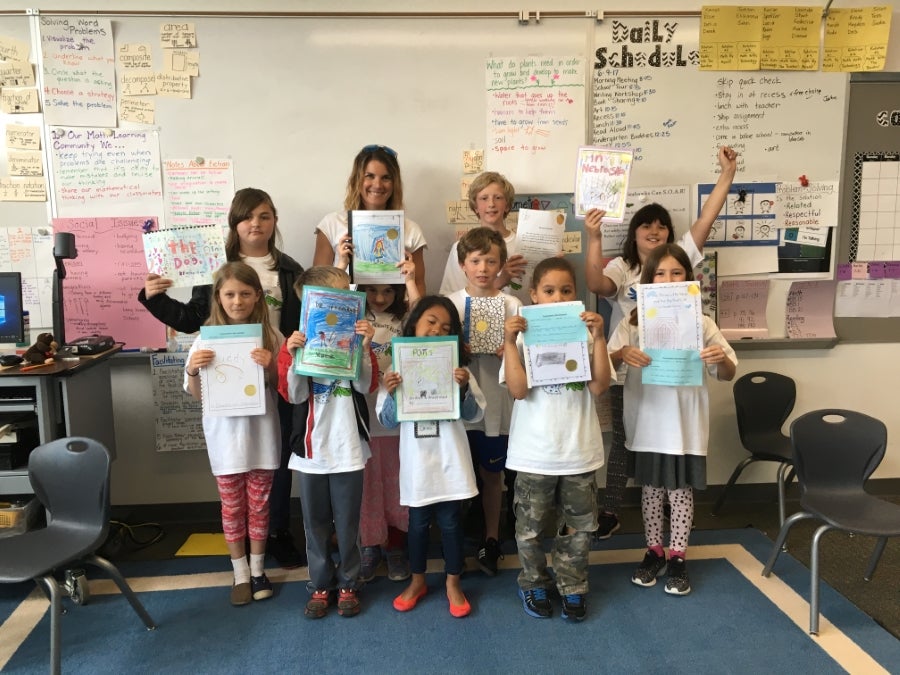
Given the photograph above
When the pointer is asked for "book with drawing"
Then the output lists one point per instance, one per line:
(555, 344)
(232, 385)
(428, 390)
(483, 323)
(328, 318)
(601, 181)
(186, 255)
(377, 246)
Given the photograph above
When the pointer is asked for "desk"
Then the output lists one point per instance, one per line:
(69, 398)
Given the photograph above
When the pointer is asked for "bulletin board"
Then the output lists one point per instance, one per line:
(293, 105)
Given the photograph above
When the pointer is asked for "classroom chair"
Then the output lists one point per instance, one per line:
(835, 452)
(763, 401)
(70, 478)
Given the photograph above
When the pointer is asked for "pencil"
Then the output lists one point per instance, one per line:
(38, 365)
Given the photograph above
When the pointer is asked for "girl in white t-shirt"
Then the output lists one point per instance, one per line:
(667, 429)
(244, 451)
(649, 228)
(436, 472)
(374, 185)
(383, 521)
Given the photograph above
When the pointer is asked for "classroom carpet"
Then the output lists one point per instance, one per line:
(734, 621)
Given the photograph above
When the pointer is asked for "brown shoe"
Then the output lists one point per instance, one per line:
(241, 594)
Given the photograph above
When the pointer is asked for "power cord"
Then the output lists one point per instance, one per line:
(121, 533)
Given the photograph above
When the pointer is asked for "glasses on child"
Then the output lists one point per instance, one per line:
(373, 148)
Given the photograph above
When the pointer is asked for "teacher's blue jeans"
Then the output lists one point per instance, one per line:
(447, 516)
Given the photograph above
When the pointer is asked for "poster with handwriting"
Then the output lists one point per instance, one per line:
(535, 116)
(101, 285)
(198, 191)
(106, 172)
(186, 255)
(79, 71)
(641, 64)
(179, 421)
(29, 251)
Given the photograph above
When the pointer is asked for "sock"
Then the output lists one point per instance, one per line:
(241, 570)
(396, 538)
(257, 564)
(658, 550)
(676, 554)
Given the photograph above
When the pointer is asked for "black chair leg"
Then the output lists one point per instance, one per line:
(51, 587)
(782, 536)
(119, 580)
(731, 481)
(814, 579)
(782, 489)
(876, 556)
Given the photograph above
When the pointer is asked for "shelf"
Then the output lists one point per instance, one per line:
(760, 344)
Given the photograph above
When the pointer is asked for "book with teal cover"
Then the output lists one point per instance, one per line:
(328, 318)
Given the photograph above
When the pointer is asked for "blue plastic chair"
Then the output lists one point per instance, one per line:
(835, 452)
(70, 477)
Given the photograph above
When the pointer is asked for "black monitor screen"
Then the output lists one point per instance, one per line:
(11, 325)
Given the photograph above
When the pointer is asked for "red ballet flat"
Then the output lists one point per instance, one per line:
(402, 605)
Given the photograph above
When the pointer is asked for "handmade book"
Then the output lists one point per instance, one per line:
(233, 385)
(555, 344)
(428, 390)
(186, 255)
(601, 181)
(670, 332)
(328, 318)
(483, 324)
(377, 246)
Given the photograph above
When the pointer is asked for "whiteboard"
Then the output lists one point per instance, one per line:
(290, 101)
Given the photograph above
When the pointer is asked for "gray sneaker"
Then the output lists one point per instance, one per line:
(371, 559)
(398, 565)
(677, 582)
(651, 567)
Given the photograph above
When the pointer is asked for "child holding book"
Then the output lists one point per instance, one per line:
(555, 446)
(383, 521)
(330, 447)
(667, 429)
(435, 466)
(481, 254)
(244, 450)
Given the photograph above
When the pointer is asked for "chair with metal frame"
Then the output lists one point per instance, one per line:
(835, 452)
(70, 478)
(763, 401)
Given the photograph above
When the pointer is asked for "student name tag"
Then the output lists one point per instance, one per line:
(427, 429)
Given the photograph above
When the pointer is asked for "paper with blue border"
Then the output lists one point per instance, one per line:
(232, 385)
(377, 246)
(555, 344)
(670, 325)
(328, 318)
(428, 390)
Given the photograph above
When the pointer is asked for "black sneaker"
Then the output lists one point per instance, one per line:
(651, 567)
(608, 523)
(488, 555)
(281, 547)
(677, 582)
(573, 607)
(536, 603)
(261, 587)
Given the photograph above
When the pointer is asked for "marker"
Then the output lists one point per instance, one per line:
(38, 365)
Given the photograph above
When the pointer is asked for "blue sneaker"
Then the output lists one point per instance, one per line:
(573, 607)
(371, 559)
(536, 603)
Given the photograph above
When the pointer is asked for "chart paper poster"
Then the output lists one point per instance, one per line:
(233, 385)
(179, 425)
(198, 191)
(742, 308)
(187, 255)
(106, 172)
(79, 71)
(535, 116)
(601, 181)
(428, 390)
(328, 319)
(377, 246)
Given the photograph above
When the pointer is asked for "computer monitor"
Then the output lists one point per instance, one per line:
(12, 326)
